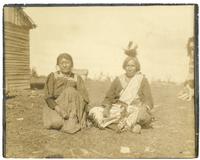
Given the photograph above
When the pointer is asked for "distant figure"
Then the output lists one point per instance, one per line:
(188, 92)
(66, 97)
(128, 102)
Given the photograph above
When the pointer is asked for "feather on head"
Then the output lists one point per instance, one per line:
(131, 51)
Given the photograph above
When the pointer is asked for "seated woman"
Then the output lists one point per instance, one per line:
(66, 98)
(188, 91)
(128, 101)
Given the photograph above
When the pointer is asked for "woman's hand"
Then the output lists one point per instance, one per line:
(61, 112)
(83, 121)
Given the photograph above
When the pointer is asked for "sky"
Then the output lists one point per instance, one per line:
(96, 37)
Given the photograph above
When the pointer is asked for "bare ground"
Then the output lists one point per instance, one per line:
(173, 135)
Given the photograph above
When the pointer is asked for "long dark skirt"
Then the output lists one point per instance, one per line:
(74, 107)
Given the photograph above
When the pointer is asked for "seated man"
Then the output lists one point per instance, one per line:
(128, 101)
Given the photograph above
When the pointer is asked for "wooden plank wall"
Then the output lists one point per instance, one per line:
(16, 52)
(16, 16)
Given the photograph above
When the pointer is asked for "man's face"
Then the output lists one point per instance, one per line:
(131, 68)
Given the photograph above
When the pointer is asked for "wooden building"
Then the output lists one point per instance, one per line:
(17, 25)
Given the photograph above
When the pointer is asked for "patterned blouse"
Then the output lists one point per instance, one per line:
(56, 82)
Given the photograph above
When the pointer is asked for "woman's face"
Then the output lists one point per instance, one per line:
(65, 65)
(130, 68)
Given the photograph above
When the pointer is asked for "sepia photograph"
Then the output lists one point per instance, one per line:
(100, 81)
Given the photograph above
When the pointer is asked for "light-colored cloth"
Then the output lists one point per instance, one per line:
(130, 92)
(187, 93)
(133, 115)
(132, 118)
(96, 113)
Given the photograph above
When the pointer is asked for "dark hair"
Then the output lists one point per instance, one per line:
(66, 56)
(134, 59)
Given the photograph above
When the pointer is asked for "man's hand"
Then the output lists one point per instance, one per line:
(148, 108)
(106, 111)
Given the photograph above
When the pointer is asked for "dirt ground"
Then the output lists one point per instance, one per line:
(172, 136)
